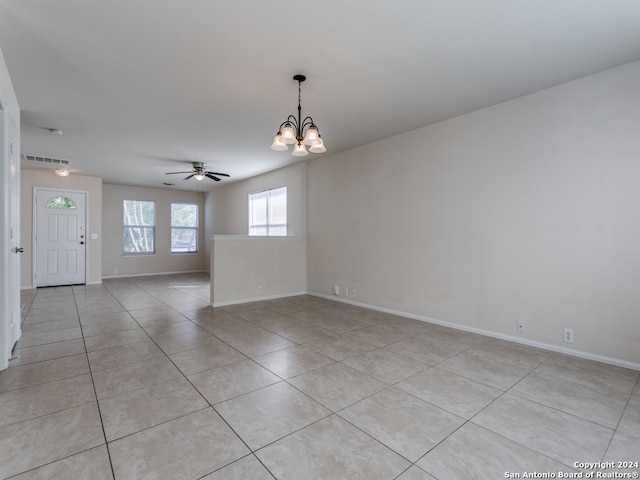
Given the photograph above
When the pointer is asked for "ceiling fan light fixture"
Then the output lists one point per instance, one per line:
(199, 176)
(61, 172)
(298, 131)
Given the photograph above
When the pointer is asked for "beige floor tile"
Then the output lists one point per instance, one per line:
(266, 415)
(293, 361)
(228, 381)
(43, 372)
(458, 395)
(112, 326)
(173, 328)
(331, 448)
(624, 447)
(30, 402)
(630, 422)
(89, 465)
(186, 341)
(31, 339)
(125, 378)
(415, 473)
(456, 338)
(49, 351)
(204, 358)
(126, 354)
(516, 354)
(385, 365)
(301, 333)
(337, 386)
(186, 448)
(117, 339)
(148, 406)
(247, 468)
(49, 438)
(378, 335)
(481, 369)
(473, 452)
(558, 435)
(92, 317)
(407, 425)
(424, 350)
(50, 326)
(589, 373)
(254, 341)
(340, 347)
(590, 403)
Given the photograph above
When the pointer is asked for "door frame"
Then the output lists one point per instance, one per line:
(34, 259)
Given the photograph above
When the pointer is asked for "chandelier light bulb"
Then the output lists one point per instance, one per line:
(311, 137)
(278, 145)
(288, 134)
(299, 150)
(318, 147)
(199, 176)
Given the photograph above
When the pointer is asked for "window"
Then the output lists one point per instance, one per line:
(184, 228)
(139, 231)
(61, 202)
(268, 212)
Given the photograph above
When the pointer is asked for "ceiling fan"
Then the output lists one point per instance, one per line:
(199, 172)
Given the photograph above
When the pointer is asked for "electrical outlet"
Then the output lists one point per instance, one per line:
(520, 326)
(346, 292)
(568, 335)
(353, 293)
(115, 270)
(259, 290)
(336, 290)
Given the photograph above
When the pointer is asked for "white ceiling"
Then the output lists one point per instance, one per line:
(145, 87)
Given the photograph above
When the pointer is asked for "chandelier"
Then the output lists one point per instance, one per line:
(298, 132)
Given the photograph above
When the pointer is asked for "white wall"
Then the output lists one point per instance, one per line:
(528, 210)
(163, 261)
(227, 206)
(45, 178)
(251, 268)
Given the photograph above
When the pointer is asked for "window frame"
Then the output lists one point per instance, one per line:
(268, 226)
(129, 227)
(196, 228)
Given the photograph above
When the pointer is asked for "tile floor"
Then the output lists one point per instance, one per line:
(139, 379)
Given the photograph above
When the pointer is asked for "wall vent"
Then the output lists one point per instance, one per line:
(46, 160)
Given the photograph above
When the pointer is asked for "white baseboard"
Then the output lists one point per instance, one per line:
(256, 299)
(511, 338)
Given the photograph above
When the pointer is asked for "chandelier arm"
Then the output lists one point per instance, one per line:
(308, 122)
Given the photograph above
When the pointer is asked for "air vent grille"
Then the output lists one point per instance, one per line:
(46, 160)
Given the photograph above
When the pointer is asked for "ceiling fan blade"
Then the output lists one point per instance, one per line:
(212, 177)
(187, 178)
(217, 173)
(173, 173)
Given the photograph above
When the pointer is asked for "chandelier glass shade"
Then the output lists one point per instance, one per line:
(299, 132)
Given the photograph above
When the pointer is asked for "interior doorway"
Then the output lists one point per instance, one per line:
(60, 237)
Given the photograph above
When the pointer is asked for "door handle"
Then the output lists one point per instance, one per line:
(19, 250)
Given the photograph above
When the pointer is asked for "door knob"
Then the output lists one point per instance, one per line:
(81, 243)
(19, 250)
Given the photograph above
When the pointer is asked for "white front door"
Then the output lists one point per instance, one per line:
(60, 237)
